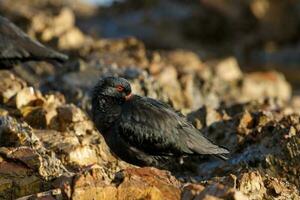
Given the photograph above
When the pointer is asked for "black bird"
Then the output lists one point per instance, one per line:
(144, 131)
(16, 46)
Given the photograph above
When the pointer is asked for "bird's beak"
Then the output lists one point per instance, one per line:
(128, 97)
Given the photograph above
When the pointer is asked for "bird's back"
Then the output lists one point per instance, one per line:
(157, 129)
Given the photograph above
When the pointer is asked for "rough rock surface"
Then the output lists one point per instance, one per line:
(50, 149)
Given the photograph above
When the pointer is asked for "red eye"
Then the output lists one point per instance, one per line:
(119, 88)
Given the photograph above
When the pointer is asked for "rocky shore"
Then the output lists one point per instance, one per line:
(50, 148)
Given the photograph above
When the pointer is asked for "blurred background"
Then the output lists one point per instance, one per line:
(261, 34)
(255, 35)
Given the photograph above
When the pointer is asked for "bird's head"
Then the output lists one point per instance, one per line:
(114, 87)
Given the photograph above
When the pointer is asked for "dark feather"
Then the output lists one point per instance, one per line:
(157, 129)
(145, 131)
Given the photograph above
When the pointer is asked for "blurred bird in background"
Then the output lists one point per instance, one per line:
(16, 46)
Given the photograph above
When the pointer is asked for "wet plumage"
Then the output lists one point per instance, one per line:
(142, 130)
(16, 46)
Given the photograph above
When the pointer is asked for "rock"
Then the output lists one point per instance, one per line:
(72, 39)
(37, 117)
(69, 114)
(131, 183)
(184, 61)
(92, 182)
(60, 27)
(6, 187)
(252, 185)
(76, 141)
(263, 85)
(120, 52)
(148, 183)
(205, 116)
(228, 69)
(3, 112)
(78, 150)
(54, 27)
(23, 154)
(17, 179)
(28, 96)
(44, 137)
(267, 140)
(245, 123)
(41, 115)
(281, 189)
(54, 194)
(219, 191)
(191, 190)
(171, 87)
(16, 134)
(9, 85)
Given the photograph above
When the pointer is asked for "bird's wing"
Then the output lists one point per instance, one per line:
(156, 128)
(15, 44)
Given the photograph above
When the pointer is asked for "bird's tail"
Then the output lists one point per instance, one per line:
(221, 156)
(202, 145)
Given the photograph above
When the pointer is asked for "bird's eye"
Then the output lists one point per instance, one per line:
(119, 88)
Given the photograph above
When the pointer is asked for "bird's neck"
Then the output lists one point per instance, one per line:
(107, 111)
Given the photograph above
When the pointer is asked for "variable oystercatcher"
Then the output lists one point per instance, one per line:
(144, 131)
(16, 46)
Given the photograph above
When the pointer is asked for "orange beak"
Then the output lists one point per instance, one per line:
(128, 97)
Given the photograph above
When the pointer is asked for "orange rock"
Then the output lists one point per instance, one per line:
(134, 184)
(148, 183)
